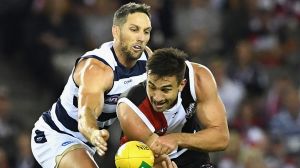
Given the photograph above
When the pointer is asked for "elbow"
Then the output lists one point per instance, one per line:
(224, 140)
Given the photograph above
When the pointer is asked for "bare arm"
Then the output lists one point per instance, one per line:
(211, 113)
(135, 129)
(133, 126)
(89, 76)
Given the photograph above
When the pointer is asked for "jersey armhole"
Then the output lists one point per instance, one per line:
(87, 57)
(191, 80)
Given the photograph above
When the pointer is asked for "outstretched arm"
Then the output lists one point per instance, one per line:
(89, 76)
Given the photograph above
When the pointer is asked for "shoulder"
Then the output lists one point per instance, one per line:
(103, 54)
(202, 73)
(205, 83)
(91, 69)
(136, 94)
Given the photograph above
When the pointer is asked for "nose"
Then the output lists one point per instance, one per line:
(141, 37)
(157, 96)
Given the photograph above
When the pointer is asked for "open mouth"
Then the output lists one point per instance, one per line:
(137, 47)
(159, 106)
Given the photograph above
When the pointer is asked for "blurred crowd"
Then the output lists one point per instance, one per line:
(251, 46)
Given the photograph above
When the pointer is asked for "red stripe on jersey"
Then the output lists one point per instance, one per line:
(157, 119)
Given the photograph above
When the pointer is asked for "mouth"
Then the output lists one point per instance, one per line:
(158, 106)
(137, 47)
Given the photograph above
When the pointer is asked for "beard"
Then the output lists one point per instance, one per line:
(129, 55)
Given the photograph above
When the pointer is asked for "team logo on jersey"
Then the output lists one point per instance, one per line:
(173, 116)
(66, 143)
(127, 81)
(111, 99)
(40, 137)
(190, 110)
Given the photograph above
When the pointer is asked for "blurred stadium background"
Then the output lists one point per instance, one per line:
(251, 46)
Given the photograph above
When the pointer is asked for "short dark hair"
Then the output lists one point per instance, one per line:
(121, 14)
(167, 62)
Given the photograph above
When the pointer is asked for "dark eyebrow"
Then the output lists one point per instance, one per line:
(151, 83)
(166, 86)
(148, 28)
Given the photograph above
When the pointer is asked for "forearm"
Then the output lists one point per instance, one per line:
(210, 139)
(87, 123)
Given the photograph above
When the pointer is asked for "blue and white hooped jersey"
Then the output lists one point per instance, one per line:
(64, 113)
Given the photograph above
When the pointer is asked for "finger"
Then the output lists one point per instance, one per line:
(174, 164)
(164, 150)
(102, 142)
(102, 147)
(168, 162)
(100, 152)
(159, 158)
(156, 148)
(164, 164)
(156, 159)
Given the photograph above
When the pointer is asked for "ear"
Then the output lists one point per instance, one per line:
(115, 32)
(182, 84)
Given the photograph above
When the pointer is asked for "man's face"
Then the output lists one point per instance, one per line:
(134, 35)
(162, 91)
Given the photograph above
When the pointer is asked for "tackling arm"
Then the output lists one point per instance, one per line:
(133, 126)
(89, 75)
(135, 129)
(211, 113)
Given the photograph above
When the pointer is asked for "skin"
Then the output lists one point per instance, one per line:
(136, 31)
(210, 112)
(162, 91)
(89, 76)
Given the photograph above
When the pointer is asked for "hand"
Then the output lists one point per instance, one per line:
(163, 144)
(98, 139)
(164, 161)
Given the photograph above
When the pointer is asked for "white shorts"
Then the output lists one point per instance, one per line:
(48, 146)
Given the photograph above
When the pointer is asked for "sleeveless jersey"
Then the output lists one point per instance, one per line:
(63, 115)
(179, 118)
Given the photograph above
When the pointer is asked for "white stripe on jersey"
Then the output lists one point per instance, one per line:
(61, 127)
(191, 79)
(138, 112)
(175, 117)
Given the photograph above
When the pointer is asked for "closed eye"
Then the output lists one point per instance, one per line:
(133, 30)
(166, 90)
